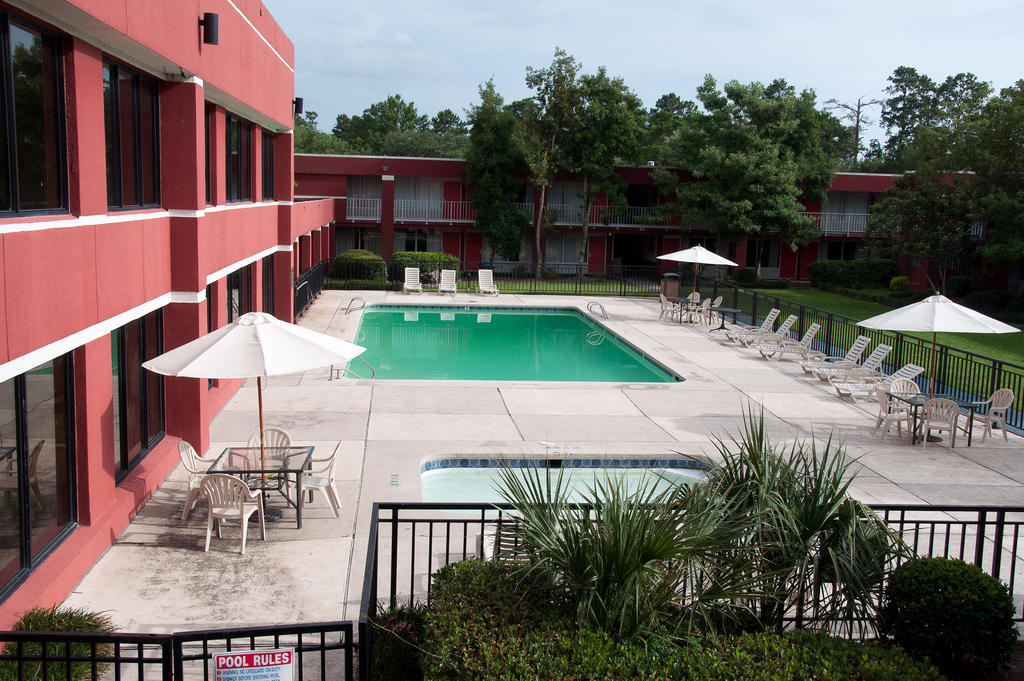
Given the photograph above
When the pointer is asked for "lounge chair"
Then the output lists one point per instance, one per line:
(776, 336)
(997, 406)
(447, 284)
(872, 367)
(485, 283)
(803, 348)
(412, 281)
(766, 326)
(850, 359)
(866, 386)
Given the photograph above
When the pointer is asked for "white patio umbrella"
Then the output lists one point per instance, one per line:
(698, 255)
(936, 313)
(256, 344)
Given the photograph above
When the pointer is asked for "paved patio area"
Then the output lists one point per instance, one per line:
(157, 577)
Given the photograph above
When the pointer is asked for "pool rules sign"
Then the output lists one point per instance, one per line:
(254, 665)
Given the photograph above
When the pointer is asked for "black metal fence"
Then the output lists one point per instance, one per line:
(408, 542)
(323, 651)
(966, 375)
(308, 286)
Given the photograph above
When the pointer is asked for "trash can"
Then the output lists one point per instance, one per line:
(670, 285)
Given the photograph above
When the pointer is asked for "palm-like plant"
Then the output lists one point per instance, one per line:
(632, 563)
(809, 540)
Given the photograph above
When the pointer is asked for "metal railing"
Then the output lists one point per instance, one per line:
(433, 211)
(362, 209)
(841, 224)
(617, 216)
(308, 287)
(323, 650)
(409, 542)
(963, 374)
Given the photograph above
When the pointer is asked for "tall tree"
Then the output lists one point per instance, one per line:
(756, 153)
(912, 102)
(608, 130)
(661, 123)
(546, 120)
(932, 213)
(310, 140)
(494, 164)
(447, 123)
(365, 132)
(856, 116)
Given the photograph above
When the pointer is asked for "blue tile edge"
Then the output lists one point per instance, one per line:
(626, 462)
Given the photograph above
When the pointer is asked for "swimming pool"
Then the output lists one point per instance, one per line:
(499, 343)
(475, 479)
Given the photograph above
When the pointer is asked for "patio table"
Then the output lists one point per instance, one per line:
(917, 400)
(722, 311)
(269, 472)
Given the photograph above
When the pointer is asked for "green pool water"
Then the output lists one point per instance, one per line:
(508, 344)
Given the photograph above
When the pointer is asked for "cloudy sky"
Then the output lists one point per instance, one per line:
(437, 53)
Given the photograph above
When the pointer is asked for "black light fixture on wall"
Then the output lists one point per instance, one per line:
(297, 102)
(210, 26)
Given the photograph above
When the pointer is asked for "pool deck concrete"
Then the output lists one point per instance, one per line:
(157, 577)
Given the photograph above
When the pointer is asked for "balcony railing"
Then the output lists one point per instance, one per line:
(841, 224)
(615, 216)
(362, 209)
(433, 211)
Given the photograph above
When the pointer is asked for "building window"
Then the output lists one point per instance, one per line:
(138, 393)
(268, 284)
(206, 148)
(762, 253)
(239, 161)
(417, 240)
(268, 165)
(130, 118)
(33, 174)
(239, 293)
(37, 491)
(841, 250)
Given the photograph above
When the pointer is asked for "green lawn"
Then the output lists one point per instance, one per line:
(1007, 347)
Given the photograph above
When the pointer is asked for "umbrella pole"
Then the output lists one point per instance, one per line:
(931, 373)
(695, 266)
(259, 399)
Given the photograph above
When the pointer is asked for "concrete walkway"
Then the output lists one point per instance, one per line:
(157, 578)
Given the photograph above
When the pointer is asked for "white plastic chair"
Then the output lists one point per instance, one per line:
(942, 415)
(321, 477)
(193, 465)
(272, 437)
(447, 284)
(231, 499)
(412, 280)
(713, 317)
(890, 412)
(485, 283)
(998, 404)
(670, 308)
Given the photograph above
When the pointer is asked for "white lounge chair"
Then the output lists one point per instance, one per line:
(776, 336)
(850, 359)
(485, 283)
(766, 326)
(231, 499)
(866, 386)
(803, 348)
(872, 367)
(997, 406)
(412, 281)
(447, 284)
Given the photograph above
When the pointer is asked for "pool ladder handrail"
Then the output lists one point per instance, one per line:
(600, 309)
(341, 371)
(360, 300)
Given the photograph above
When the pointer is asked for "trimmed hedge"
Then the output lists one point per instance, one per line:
(490, 620)
(427, 262)
(862, 273)
(950, 612)
(359, 264)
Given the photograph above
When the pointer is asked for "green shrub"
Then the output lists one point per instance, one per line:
(362, 284)
(950, 612)
(359, 264)
(959, 286)
(797, 656)
(58, 618)
(989, 302)
(397, 644)
(770, 283)
(861, 273)
(899, 283)
(426, 261)
(745, 276)
(827, 273)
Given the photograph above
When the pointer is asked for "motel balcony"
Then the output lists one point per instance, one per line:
(362, 209)
(410, 210)
(841, 224)
(613, 216)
